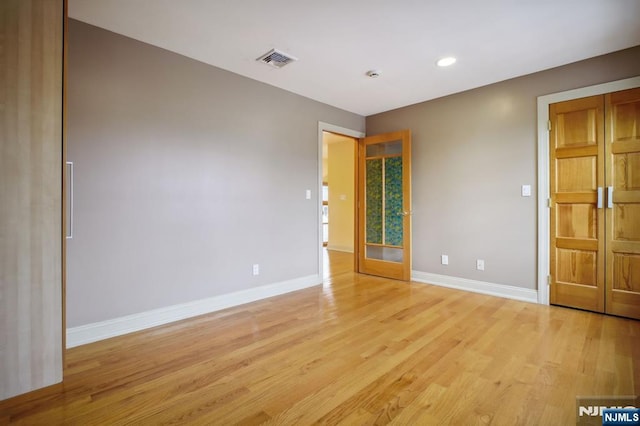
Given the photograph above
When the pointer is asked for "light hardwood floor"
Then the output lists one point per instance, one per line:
(358, 350)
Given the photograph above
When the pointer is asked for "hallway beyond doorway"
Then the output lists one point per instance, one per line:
(336, 263)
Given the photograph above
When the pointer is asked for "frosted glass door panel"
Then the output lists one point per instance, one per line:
(389, 254)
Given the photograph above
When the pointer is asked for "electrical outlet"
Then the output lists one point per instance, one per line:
(256, 269)
(480, 265)
(444, 259)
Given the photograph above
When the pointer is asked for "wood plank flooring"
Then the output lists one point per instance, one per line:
(357, 350)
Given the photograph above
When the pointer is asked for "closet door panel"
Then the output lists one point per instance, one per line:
(30, 195)
(576, 173)
(623, 212)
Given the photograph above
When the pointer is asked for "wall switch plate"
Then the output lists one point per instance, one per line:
(256, 269)
(307, 194)
(526, 190)
(444, 259)
(480, 265)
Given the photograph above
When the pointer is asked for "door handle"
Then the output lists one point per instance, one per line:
(599, 197)
(70, 230)
(609, 197)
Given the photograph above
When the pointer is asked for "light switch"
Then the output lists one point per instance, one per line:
(343, 197)
(308, 194)
(526, 190)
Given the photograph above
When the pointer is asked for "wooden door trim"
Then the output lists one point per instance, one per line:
(63, 216)
(356, 134)
(543, 268)
(356, 203)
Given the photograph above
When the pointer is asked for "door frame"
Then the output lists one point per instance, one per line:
(543, 168)
(327, 127)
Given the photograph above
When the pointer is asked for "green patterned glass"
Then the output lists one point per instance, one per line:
(393, 201)
(373, 201)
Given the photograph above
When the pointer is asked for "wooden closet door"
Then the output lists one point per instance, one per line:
(577, 231)
(623, 208)
(31, 33)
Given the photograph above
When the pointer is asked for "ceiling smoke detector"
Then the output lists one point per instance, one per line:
(276, 58)
(374, 73)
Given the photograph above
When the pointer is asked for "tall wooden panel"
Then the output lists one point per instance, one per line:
(31, 36)
(623, 210)
(577, 177)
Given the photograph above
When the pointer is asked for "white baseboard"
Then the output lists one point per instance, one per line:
(500, 290)
(345, 249)
(88, 333)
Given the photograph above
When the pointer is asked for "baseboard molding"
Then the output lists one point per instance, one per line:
(89, 333)
(492, 289)
(344, 249)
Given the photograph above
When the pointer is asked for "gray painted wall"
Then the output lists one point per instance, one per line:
(185, 176)
(471, 153)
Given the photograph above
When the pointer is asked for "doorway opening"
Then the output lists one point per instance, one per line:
(594, 240)
(372, 187)
(338, 202)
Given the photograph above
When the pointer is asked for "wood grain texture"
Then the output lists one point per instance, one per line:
(623, 220)
(65, 180)
(358, 350)
(30, 195)
(577, 240)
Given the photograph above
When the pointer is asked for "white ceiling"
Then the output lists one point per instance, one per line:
(337, 41)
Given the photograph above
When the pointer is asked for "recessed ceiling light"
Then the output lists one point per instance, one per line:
(445, 62)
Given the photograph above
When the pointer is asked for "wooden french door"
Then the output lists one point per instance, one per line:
(384, 200)
(595, 203)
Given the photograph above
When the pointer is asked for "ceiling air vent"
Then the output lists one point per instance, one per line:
(276, 58)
